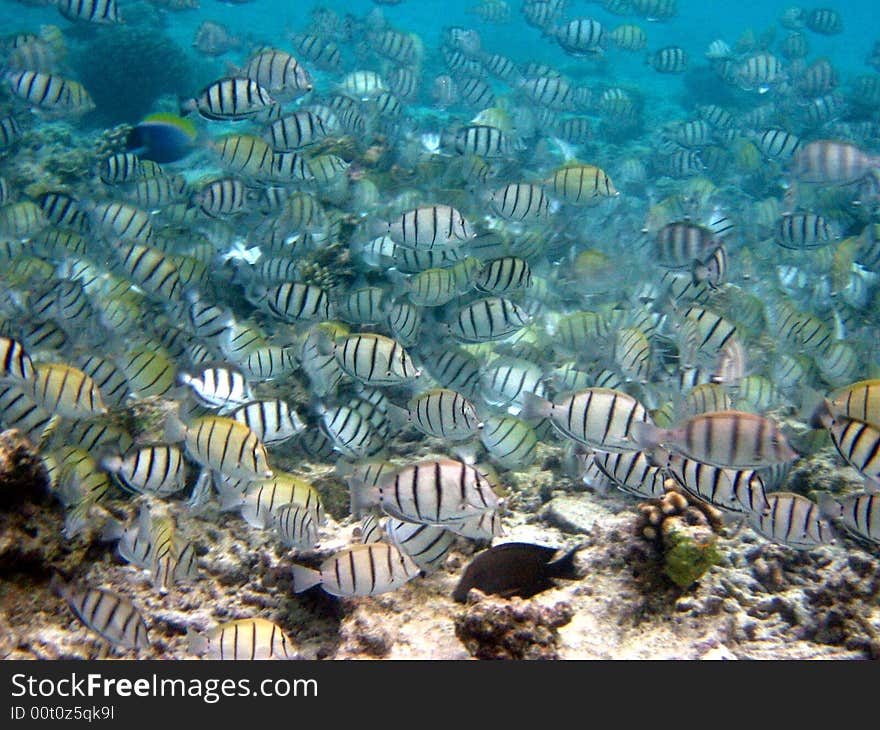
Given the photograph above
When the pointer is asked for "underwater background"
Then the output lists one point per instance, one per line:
(468, 329)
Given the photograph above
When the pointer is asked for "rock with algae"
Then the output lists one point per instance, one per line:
(512, 629)
(685, 533)
(23, 477)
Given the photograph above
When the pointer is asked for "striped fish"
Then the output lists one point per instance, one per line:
(121, 220)
(429, 227)
(669, 60)
(296, 526)
(245, 154)
(427, 545)
(454, 368)
(727, 439)
(860, 513)
(373, 359)
(632, 353)
(351, 432)
(680, 243)
(405, 322)
(66, 391)
(18, 410)
(226, 446)
(229, 99)
(295, 131)
(510, 441)
(804, 231)
(444, 414)
(121, 167)
(268, 362)
(858, 443)
(155, 469)
(246, 639)
(102, 12)
(858, 401)
(296, 302)
(278, 73)
(16, 363)
(730, 489)
(223, 197)
(632, 472)
(794, 521)
(521, 202)
(491, 318)
(578, 184)
(359, 570)
(50, 92)
(602, 418)
(434, 492)
(503, 275)
(109, 615)
(273, 421)
(261, 499)
(506, 379)
(219, 386)
(148, 371)
(482, 140)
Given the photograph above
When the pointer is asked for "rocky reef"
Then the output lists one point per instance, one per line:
(757, 600)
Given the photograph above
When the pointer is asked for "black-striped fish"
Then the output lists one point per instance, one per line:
(491, 318)
(669, 60)
(65, 391)
(503, 275)
(351, 432)
(224, 445)
(601, 418)
(730, 489)
(220, 386)
(102, 12)
(372, 359)
(434, 492)
(109, 615)
(632, 472)
(157, 469)
(793, 520)
(16, 363)
(430, 226)
(444, 413)
(273, 421)
(279, 73)
(427, 545)
(510, 441)
(860, 513)
(359, 570)
(230, 99)
(295, 131)
(728, 439)
(50, 92)
(245, 639)
(296, 525)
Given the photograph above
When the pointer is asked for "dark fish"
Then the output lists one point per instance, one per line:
(162, 138)
(515, 569)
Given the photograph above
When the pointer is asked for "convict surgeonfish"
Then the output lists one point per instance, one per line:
(245, 639)
(728, 439)
(112, 617)
(359, 570)
(433, 492)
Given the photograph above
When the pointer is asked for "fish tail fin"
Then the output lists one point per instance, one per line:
(305, 578)
(564, 567)
(828, 506)
(535, 408)
(647, 436)
(196, 643)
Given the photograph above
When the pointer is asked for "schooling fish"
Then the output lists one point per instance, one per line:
(515, 569)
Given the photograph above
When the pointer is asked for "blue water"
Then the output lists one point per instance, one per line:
(697, 24)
